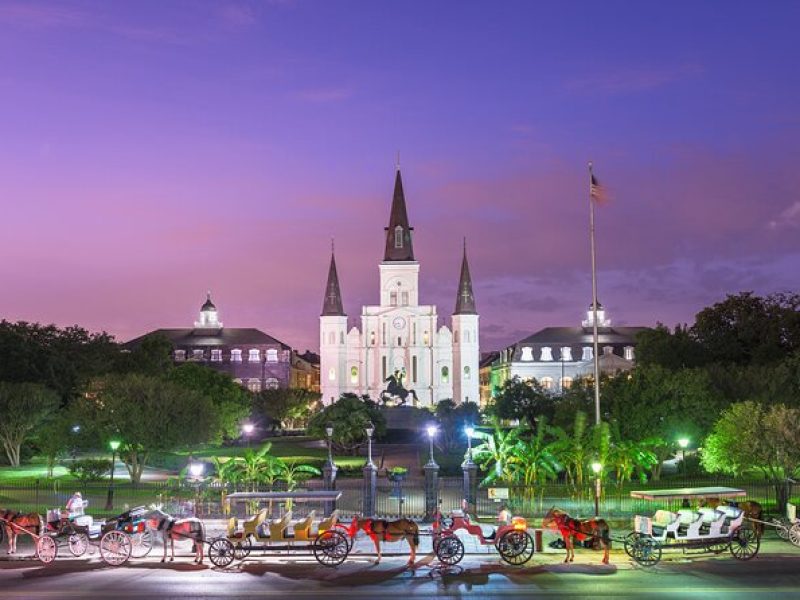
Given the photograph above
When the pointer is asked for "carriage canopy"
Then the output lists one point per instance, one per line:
(687, 493)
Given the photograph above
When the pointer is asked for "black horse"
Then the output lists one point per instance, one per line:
(395, 389)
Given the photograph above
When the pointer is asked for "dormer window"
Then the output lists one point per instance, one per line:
(547, 353)
(272, 355)
(254, 355)
(236, 355)
(180, 355)
(628, 352)
(527, 353)
(197, 355)
(566, 353)
(216, 356)
(398, 237)
(587, 353)
(608, 350)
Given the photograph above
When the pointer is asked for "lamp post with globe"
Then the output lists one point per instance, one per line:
(470, 470)
(370, 475)
(329, 469)
(114, 445)
(431, 478)
(597, 469)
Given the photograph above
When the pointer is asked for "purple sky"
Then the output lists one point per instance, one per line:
(152, 150)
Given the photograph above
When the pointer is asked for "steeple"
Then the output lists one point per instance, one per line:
(465, 301)
(332, 305)
(398, 233)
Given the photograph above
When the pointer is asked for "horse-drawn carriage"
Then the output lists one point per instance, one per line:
(118, 538)
(705, 529)
(259, 532)
(513, 542)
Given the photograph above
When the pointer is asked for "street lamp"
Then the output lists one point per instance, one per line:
(196, 470)
(683, 443)
(329, 435)
(597, 468)
(114, 444)
(470, 431)
(247, 430)
(431, 429)
(369, 429)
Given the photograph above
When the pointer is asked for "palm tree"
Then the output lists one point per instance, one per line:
(533, 460)
(495, 454)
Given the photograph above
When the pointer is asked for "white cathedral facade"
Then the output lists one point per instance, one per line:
(401, 354)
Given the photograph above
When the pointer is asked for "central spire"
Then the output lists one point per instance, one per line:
(465, 301)
(398, 233)
(332, 305)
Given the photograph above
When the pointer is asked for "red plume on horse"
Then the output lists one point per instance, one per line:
(575, 529)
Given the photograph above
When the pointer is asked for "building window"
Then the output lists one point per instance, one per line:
(466, 373)
(547, 383)
(393, 298)
(272, 355)
(354, 375)
(271, 384)
(414, 369)
(445, 374)
(383, 368)
(198, 355)
(236, 356)
(628, 352)
(399, 341)
(254, 355)
(332, 338)
(566, 383)
(587, 353)
(372, 338)
(404, 296)
(332, 374)
(180, 355)
(398, 237)
(425, 338)
(383, 333)
(455, 335)
(237, 381)
(566, 353)
(547, 353)
(216, 356)
(341, 338)
(414, 334)
(254, 385)
(466, 336)
(608, 350)
(527, 353)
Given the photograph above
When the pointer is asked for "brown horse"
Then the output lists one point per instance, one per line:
(574, 529)
(387, 531)
(16, 524)
(172, 529)
(751, 508)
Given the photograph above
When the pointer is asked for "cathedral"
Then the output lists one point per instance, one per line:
(401, 355)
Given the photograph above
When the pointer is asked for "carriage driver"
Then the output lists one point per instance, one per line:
(75, 505)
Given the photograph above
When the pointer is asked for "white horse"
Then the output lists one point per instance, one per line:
(172, 529)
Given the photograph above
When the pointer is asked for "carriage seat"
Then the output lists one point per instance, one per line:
(277, 528)
(733, 517)
(301, 530)
(253, 524)
(689, 522)
(664, 522)
(233, 529)
(329, 522)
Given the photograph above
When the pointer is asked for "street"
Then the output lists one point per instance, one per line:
(775, 573)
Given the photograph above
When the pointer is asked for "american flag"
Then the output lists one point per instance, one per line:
(597, 191)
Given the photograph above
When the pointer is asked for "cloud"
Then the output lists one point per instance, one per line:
(324, 95)
(626, 81)
(789, 217)
(238, 15)
(28, 14)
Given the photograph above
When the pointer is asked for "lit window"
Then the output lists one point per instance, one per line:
(566, 353)
(332, 374)
(398, 237)
(197, 355)
(445, 374)
(271, 384)
(466, 373)
(587, 353)
(216, 356)
(254, 355)
(354, 375)
(272, 355)
(628, 352)
(566, 383)
(425, 338)
(236, 356)
(372, 338)
(547, 353)
(527, 353)
(180, 355)
(547, 383)
(254, 385)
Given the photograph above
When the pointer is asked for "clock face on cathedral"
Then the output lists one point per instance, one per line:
(399, 322)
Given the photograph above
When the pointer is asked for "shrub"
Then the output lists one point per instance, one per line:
(90, 469)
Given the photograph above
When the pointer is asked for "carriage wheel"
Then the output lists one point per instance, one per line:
(646, 551)
(331, 548)
(450, 550)
(794, 534)
(115, 548)
(78, 544)
(782, 527)
(515, 547)
(142, 543)
(241, 551)
(342, 529)
(46, 549)
(221, 552)
(744, 544)
(630, 539)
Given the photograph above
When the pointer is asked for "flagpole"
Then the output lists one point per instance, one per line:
(594, 305)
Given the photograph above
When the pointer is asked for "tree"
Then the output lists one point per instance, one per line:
(749, 435)
(55, 437)
(522, 400)
(349, 416)
(495, 454)
(453, 418)
(146, 414)
(153, 356)
(677, 349)
(231, 401)
(287, 407)
(23, 407)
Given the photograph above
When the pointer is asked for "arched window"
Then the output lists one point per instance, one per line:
(393, 298)
(332, 374)
(547, 383)
(371, 338)
(341, 338)
(271, 384)
(254, 355)
(445, 374)
(272, 355)
(332, 338)
(353, 375)
(180, 355)
(236, 355)
(398, 237)
(254, 385)
(467, 373)
(566, 383)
